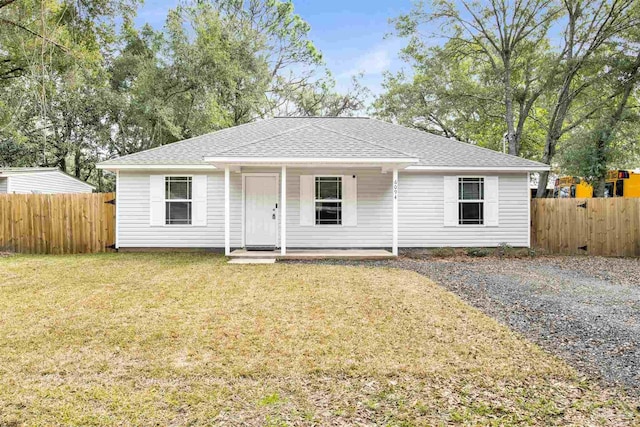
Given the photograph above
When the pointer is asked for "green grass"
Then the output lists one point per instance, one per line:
(175, 339)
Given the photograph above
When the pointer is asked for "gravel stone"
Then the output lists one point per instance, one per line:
(583, 309)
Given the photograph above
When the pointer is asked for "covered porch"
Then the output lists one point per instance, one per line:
(291, 181)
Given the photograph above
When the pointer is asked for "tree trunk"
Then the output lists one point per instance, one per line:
(77, 165)
(508, 103)
(605, 134)
(555, 129)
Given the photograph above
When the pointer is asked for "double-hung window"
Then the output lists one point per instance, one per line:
(178, 199)
(470, 201)
(328, 200)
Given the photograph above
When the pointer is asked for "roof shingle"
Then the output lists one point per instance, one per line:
(324, 137)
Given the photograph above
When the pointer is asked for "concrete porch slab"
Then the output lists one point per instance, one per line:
(251, 261)
(358, 254)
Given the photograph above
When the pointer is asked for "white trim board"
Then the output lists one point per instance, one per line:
(114, 167)
(315, 162)
(289, 160)
(117, 239)
(462, 169)
(528, 210)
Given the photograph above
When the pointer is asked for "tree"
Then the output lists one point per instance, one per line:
(611, 139)
(506, 36)
(589, 38)
(446, 96)
(321, 99)
(198, 75)
(294, 63)
(76, 89)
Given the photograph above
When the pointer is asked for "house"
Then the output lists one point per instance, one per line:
(40, 180)
(321, 183)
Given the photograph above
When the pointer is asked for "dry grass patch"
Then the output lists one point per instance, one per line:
(173, 339)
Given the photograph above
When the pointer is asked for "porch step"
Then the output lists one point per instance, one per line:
(251, 261)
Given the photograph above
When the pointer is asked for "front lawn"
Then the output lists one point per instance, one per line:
(175, 339)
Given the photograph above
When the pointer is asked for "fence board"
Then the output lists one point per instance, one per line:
(57, 223)
(608, 227)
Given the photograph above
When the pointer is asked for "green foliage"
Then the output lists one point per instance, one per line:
(12, 153)
(76, 89)
(444, 98)
(484, 72)
(479, 252)
(445, 252)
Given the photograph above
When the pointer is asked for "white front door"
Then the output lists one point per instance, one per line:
(260, 208)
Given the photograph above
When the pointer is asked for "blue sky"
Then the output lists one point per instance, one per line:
(350, 34)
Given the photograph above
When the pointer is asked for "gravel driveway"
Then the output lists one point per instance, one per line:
(584, 309)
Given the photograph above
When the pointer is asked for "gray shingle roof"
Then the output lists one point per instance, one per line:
(324, 137)
(312, 141)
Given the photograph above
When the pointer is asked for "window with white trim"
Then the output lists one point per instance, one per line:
(470, 201)
(328, 200)
(178, 200)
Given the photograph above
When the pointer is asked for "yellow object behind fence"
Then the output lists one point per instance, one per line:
(619, 183)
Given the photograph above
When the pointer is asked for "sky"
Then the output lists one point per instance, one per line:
(349, 33)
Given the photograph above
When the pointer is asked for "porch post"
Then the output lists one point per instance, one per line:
(394, 246)
(283, 211)
(227, 211)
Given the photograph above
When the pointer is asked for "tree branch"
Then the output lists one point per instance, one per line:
(22, 27)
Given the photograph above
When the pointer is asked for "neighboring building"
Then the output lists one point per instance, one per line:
(321, 183)
(535, 179)
(40, 180)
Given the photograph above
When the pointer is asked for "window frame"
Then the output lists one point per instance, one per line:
(461, 201)
(612, 186)
(316, 200)
(166, 201)
(619, 188)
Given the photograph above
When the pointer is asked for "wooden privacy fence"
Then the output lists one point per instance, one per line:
(609, 227)
(57, 223)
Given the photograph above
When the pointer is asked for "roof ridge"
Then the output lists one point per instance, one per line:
(321, 117)
(260, 139)
(367, 141)
(466, 144)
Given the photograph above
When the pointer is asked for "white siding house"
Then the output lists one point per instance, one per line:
(40, 180)
(292, 183)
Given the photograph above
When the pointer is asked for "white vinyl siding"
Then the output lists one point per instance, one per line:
(420, 210)
(373, 210)
(134, 225)
(422, 216)
(46, 183)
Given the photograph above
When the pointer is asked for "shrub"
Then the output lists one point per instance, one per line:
(442, 252)
(479, 252)
(505, 250)
(418, 254)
